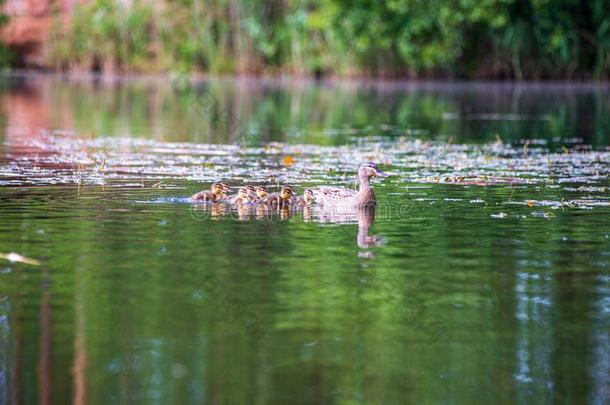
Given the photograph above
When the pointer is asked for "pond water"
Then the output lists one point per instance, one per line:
(483, 275)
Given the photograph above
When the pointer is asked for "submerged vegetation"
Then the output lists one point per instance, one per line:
(491, 38)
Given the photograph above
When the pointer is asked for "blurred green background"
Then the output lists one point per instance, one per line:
(500, 39)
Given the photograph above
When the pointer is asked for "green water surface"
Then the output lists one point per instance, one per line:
(454, 294)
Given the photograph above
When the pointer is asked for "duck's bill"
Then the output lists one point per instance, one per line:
(381, 174)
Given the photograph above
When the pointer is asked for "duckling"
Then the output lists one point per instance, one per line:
(252, 193)
(240, 198)
(305, 200)
(281, 199)
(261, 192)
(307, 213)
(293, 194)
(214, 194)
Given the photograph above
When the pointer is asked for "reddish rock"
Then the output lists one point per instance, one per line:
(28, 28)
(34, 8)
(26, 36)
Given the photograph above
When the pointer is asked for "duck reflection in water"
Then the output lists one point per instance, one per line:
(244, 212)
(364, 216)
(202, 212)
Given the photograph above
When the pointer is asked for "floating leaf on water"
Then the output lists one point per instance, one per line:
(499, 215)
(17, 258)
(288, 161)
(107, 160)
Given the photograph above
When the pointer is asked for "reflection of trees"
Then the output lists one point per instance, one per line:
(5, 360)
(254, 111)
(44, 356)
(130, 320)
(79, 367)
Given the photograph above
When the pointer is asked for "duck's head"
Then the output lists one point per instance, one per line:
(369, 169)
(286, 192)
(242, 193)
(250, 189)
(308, 196)
(262, 192)
(220, 188)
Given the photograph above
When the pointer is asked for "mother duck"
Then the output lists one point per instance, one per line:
(348, 198)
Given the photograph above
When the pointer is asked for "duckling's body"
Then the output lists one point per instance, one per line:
(305, 200)
(216, 193)
(205, 195)
(261, 192)
(240, 198)
(347, 198)
(251, 190)
(274, 199)
(281, 199)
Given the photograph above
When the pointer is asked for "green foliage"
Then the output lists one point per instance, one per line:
(107, 34)
(6, 56)
(465, 38)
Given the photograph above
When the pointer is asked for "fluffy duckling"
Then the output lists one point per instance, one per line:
(305, 200)
(252, 193)
(281, 199)
(214, 194)
(240, 198)
(261, 192)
